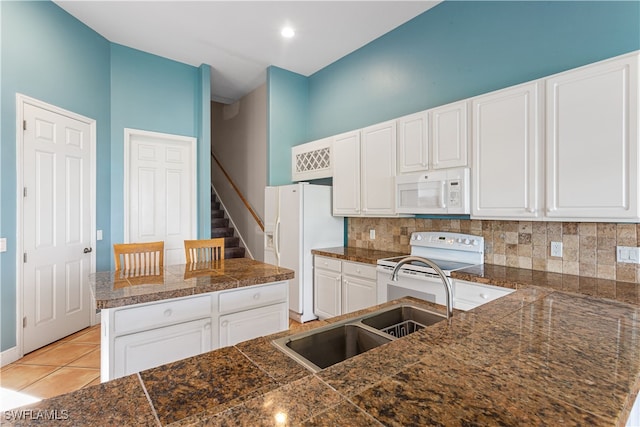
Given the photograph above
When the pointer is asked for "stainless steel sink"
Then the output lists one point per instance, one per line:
(403, 320)
(323, 347)
(327, 346)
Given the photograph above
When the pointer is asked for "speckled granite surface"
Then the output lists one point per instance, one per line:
(116, 289)
(538, 356)
(367, 256)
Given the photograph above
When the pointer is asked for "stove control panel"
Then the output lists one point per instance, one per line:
(447, 240)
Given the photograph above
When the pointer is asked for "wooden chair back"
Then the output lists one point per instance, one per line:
(139, 256)
(204, 250)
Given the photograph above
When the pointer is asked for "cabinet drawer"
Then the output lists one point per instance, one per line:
(476, 294)
(161, 314)
(325, 263)
(358, 269)
(253, 296)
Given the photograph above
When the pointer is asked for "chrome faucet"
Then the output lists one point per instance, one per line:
(443, 277)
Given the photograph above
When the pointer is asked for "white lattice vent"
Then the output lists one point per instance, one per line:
(312, 160)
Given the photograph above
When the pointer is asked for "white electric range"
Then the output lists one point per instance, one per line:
(451, 252)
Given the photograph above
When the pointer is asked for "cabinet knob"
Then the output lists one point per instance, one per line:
(256, 296)
(484, 296)
(168, 312)
(224, 323)
(207, 326)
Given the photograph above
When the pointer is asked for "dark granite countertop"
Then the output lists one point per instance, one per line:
(367, 256)
(116, 289)
(538, 356)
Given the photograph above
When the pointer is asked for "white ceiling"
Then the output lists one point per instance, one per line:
(240, 39)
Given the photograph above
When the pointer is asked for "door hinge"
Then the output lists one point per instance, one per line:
(24, 125)
(24, 192)
(24, 322)
(24, 257)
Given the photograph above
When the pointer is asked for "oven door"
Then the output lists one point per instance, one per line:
(418, 285)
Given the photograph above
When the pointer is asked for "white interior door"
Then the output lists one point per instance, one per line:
(160, 184)
(56, 224)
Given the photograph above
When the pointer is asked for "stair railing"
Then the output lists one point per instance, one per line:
(239, 193)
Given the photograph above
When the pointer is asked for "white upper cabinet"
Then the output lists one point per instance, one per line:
(434, 139)
(346, 174)
(592, 141)
(413, 143)
(581, 164)
(507, 153)
(364, 167)
(449, 135)
(378, 163)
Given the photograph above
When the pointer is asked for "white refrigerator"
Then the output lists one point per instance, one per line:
(298, 218)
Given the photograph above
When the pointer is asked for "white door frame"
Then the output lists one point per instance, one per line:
(21, 100)
(187, 140)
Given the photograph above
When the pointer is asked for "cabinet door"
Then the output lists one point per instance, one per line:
(378, 169)
(592, 131)
(346, 174)
(413, 143)
(449, 137)
(155, 347)
(507, 157)
(249, 324)
(358, 293)
(327, 293)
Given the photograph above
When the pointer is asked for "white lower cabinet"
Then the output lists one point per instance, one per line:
(248, 324)
(143, 336)
(327, 285)
(147, 349)
(342, 286)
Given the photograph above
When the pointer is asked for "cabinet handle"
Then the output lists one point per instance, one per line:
(224, 324)
(168, 312)
(256, 296)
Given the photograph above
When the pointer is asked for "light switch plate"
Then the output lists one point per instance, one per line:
(628, 254)
(99, 235)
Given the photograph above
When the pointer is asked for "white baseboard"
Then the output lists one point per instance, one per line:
(9, 356)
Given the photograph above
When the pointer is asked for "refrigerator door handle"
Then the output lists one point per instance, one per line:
(276, 240)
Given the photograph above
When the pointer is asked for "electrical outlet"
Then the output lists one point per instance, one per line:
(556, 249)
(372, 234)
(628, 254)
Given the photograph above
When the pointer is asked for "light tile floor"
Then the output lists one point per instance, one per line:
(63, 366)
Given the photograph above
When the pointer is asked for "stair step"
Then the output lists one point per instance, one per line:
(231, 242)
(219, 223)
(215, 206)
(221, 232)
(217, 214)
(234, 252)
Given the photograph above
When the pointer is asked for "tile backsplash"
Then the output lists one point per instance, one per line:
(588, 248)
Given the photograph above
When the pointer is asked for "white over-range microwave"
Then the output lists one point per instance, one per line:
(443, 191)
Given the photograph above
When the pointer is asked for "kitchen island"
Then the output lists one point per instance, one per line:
(538, 356)
(162, 315)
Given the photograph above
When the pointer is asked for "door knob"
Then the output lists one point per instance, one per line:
(87, 250)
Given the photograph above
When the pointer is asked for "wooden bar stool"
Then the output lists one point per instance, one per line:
(198, 251)
(143, 258)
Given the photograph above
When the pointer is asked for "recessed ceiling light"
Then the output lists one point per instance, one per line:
(287, 32)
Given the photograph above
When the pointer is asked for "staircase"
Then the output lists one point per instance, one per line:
(220, 228)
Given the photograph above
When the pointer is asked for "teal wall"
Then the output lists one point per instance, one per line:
(50, 56)
(47, 54)
(287, 115)
(149, 93)
(461, 49)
